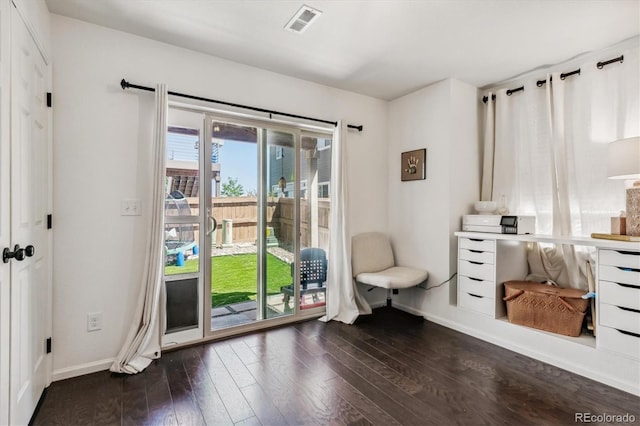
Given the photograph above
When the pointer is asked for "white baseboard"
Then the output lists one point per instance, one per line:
(630, 387)
(82, 369)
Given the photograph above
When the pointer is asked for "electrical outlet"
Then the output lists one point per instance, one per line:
(94, 321)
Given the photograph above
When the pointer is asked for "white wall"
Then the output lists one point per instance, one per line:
(424, 214)
(101, 156)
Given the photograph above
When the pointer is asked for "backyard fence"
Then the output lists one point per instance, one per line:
(243, 212)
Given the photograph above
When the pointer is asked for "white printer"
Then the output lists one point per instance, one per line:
(497, 224)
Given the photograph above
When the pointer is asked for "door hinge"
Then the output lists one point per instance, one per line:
(49, 99)
(49, 221)
(48, 344)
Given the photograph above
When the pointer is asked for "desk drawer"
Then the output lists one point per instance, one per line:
(477, 303)
(477, 244)
(619, 275)
(477, 256)
(483, 271)
(628, 259)
(478, 287)
(619, 341)
(619, 294)
(620, 318)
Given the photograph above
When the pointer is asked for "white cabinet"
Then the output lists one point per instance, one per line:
(612, 357)
(487, 261)
(619, 301)
(484, 264)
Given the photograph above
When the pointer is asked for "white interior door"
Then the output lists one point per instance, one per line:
(30, 283)
(5, 222)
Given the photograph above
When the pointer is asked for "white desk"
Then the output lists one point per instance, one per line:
(575, 241)
(486, 261)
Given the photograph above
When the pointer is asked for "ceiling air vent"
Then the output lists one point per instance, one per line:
(302, 19)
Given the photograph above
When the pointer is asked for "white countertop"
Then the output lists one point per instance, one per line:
(576, 241)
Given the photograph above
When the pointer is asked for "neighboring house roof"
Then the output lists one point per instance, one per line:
(183, 146)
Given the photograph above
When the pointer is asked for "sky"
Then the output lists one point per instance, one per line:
(240, 160)
(237, 159)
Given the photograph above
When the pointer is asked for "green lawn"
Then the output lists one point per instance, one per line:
(233, 278)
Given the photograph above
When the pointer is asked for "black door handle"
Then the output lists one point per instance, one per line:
(17, 253)
(29, 250)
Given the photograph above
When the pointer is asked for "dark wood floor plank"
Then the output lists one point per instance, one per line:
(83, 411)
(54, 410)
(206, 396)
(406, 400)
(374, 414)
(428, 371)
(255, 339)
(304, 381)
(303, 350)
(389, 368)
(235, 366)
(243, 351)
(378, 396)
(476, 372)
(266, 411)
(566, 383)
(159, 401)
(465, 389)
(251, 421)
(185, 406)
(395, 376)
(293, 409)
(108, 409)
(307, 381)
(231, 396)
(474, 363)
(134, 398)
(453, 400)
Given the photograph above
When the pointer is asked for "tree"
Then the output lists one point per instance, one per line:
(232, 188)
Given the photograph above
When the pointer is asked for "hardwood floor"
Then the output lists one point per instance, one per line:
(391, 368)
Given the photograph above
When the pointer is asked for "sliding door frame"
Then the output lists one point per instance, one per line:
(181, 337)
(262, 125)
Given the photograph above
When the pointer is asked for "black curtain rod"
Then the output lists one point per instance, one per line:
(126, 85)
(541, 83)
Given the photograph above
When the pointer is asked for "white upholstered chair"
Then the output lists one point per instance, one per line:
(372, 263)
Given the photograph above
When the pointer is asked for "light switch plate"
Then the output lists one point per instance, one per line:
(130, 207)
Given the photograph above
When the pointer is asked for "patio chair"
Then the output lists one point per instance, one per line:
(313, 278)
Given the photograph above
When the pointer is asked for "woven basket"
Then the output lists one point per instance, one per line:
(545, 307)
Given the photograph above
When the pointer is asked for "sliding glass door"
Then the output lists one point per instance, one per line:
(252, 275)
(185, 229)
(246, 218)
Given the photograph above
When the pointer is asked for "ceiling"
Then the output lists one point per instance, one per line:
(381, 48)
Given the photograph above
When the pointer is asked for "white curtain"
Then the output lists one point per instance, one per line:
(550, 142)
(134, 355)
(489, 142)
(343, 302)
